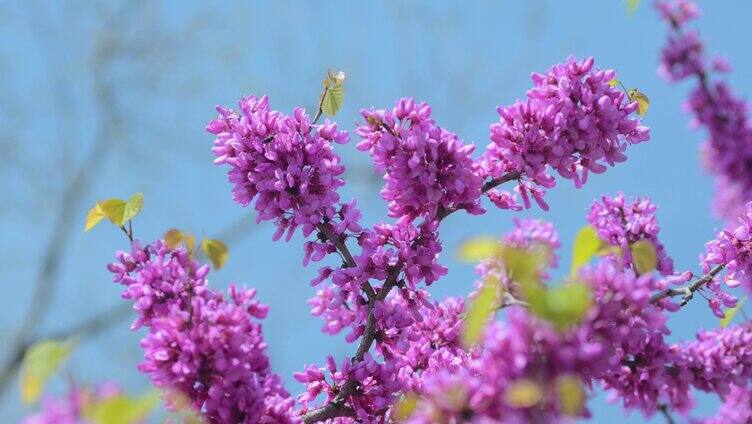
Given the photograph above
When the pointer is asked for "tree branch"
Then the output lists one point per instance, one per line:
(687, 291)
(337, 407)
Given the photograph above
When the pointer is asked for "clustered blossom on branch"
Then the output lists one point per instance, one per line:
(622, 222)
(731, 249)
(572, 121)
(283, 162)
(207, 347)
(727, 153)
(736, 408)
(429, 173)
(426, 168)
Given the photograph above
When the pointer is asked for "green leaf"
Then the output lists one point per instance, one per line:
(41, 360)
(562, 306)
(216, 251)
(334, 93)
(405, 407)
(122, 409)
(632, 5)
(731, 313)
(133, 206)
(94, 216)
(477, 249)
(586, 245)
(523, 394)
(568, 304)
(173, 237)
(525, 265)
(613, 83)
(644, 256)
(478, 313)
(571, 394)
(643, 102)
(114, 209)
(119, 211)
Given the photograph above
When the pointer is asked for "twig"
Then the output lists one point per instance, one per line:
(687, 291)
(337, 407)
(664, 411)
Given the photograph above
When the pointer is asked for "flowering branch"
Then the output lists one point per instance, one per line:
(687, 291)
(337, 407)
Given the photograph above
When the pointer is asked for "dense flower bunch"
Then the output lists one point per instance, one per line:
(737, 408)
(573, 121)
(427, 169)
(539, 365)
(621, 223)
(282, 161)
(732, 251)
(208, 348)
(728, 149)
(69, 409)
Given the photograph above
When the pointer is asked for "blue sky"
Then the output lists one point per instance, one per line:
(173, 64)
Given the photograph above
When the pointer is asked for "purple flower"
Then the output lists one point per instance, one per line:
(426, 168)
(622, 222)
(282, 161)
(572, 121)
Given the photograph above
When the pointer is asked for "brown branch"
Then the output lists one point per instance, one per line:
(687, 291)
(664, 411)
(337, 407)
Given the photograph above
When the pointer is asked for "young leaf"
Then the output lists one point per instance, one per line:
(114, 209)
(632, 5)
(523, 394)
(173, 237)
(478, 313)
(133, 206)
(190, 242)
(522, 265)
(478, 248)
(216, 251)
(568, 304)
(333, 99)
(643, 103)
(334, 93)
(94, 216)
(120, 211)
(571, 394)
(586, 245)
(405, 407)
(731, 313)
(121, 409)
(613, 83)
(40, 362)
(644, 256)
(562, 306)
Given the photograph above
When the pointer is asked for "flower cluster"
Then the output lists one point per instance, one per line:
(731, 250)
(414, 340)
(573, 121)
(282, 161)
(199, 343)
(69, 409)
(728, 149)
(427, 169)
(622, 222)
(736, 408)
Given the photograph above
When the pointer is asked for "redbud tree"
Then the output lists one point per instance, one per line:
(416, 359)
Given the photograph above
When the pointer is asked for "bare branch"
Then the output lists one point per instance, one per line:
(687, 291)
